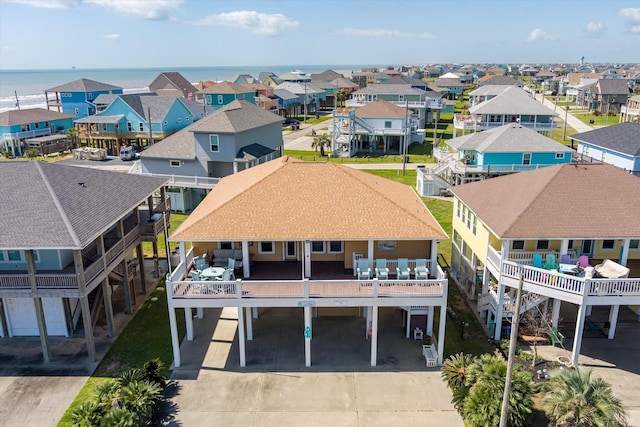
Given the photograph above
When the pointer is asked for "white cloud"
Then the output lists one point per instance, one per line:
(538, 35)
(112, 36)
(50, 4)
(595, 29)
(375, 32)
(631, 18)
(146, 9)
(259, 23)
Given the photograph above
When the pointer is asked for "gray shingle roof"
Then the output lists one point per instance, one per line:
(513, 100)
(613, 86)
(83, 85)
(508, 139)
(238, 116)
(387, 89)
(165, 82)
(623, 138)
(30, 115)
(146, 103)
(253, 151)
(501, 80)
(284, 94)
(59, 206)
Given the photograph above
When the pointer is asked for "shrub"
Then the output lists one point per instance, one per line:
(7, 154)
(31, 153)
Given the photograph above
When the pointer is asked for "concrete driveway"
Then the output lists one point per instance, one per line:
(341, 389)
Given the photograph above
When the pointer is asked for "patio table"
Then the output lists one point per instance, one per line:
(571, 269)
(212, 273)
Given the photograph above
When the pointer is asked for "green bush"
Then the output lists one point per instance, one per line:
(128, 400)
(31, 153)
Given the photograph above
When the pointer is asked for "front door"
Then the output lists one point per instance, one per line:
(290, 251)
(586, 248)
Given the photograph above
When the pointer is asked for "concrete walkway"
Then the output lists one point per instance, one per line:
(275, 389)
(572, 121)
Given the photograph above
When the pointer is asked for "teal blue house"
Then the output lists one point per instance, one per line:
(500, 150)
(18, 125)
(76, 98)
(221, 94)
(136, 119)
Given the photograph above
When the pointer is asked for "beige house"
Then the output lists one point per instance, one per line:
(298, 231)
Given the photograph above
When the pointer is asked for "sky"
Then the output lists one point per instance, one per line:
(50, 34)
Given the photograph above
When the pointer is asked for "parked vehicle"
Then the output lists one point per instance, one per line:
(129, 153)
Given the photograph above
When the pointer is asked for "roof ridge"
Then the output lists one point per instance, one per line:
(56, 201)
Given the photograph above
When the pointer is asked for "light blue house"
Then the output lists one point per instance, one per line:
(618, 145)
(234, 138)
(287, 101)
(18, 125)
(223, 93)
(76, 98)
(139, 119)
(68, 242)
(497, 151)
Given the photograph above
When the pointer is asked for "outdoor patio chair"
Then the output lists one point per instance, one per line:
(550, 262)
(231, 264)
(556, 336)
(227, 275)
(566, 259)
(403, 270)
(363, 270)
(421, 270)
(195, 276)
(584, 261)
(382, 272)
(201, 264)
(537, 261)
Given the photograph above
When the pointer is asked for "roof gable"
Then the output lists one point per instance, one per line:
(623, 138)
(381, 109)
(84, 86)
(30, 115)
(513, 100)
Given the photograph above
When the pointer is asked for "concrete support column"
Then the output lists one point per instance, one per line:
(367, 327)
(307, 339)
(175, 343)
(37, 303)
(555, 312)
(255, 312)
(624, 255)
(108, 307)
(564, 247)
(432, 313)
(188, 322)
(374, 335)
(408, 322)
(140, 257)
(249, 324)
(307, 258)
(577, 340)
(370, 253)
(613, 321)
(241, 343)
(246, 262)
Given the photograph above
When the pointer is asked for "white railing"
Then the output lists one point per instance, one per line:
(182, 180)
(493, 257)
(614, 287)
(310, 288)
(544, 278)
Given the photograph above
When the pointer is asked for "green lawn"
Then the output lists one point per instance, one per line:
(418, 153)
(600, 120)
(147, 248)
(147, 336)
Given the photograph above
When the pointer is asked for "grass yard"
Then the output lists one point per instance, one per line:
(418, 153)
(601, 120)
(174, 222)
(147, 336)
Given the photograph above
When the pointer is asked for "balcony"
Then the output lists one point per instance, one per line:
(478, 123)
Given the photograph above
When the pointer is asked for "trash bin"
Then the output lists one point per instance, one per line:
(406, 158)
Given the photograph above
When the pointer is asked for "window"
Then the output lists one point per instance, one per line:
(129, 127)
(175, 163)
(166, 122)
(213, 139)
(90, 96)
(46, 124)
(335, 247)
(267, 248)
(475, 224)
(104, 127)
(608, 244)
(526, 158)
(141, 126)
(570, 244)
(220, 99)
(459, 208)
(517, 245)
(387, 124)
(77, 111)
(179, 119)
(634, 244)
(542, 245)
(559, 156)
(317, 247)
(226, 245)
(186, 119)
(37, 125)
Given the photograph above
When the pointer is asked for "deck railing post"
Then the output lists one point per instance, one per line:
(305, 287)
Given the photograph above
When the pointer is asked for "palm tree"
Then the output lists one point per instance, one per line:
(321, 140)
(486, 378)
(454, 369)
(72, 134)
(340, 95)
(575, 398)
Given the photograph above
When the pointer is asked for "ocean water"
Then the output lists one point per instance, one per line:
(29, 85)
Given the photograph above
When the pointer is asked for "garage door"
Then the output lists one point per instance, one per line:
(21, 317)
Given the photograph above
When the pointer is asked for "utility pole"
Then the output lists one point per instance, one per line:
(512, 351)
(566, 113)
(305, 102)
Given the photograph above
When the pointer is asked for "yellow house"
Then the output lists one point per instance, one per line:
(298, 232)
(564, 228)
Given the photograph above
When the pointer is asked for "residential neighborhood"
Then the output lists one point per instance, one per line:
(446, 234)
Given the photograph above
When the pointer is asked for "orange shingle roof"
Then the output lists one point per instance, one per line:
(575, 201)
(381, 109)
(287, 199)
